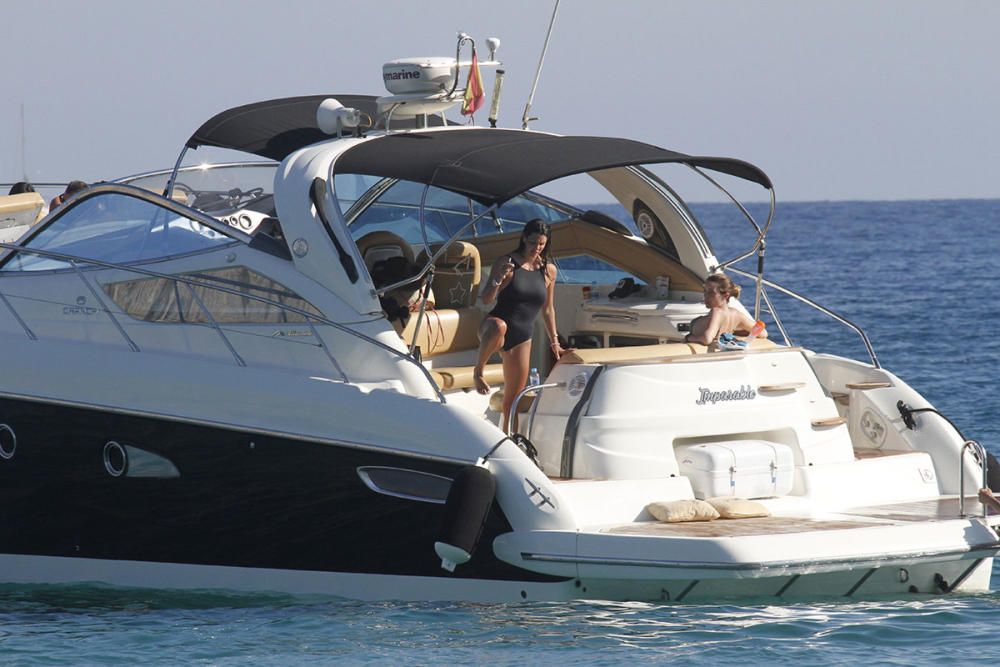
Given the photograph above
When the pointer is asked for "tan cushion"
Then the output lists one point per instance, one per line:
(445, 330)
(737, 508)
(456, 274)
(676, 511)
(460, 377)
(613, 355)
(22, 209)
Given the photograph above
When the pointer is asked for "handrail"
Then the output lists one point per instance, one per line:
(444, 246)
(308, 316)
(527, 390)
(774, 315)
(823, 309)
(980, 453)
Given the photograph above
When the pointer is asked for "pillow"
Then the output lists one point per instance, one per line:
(737, 508)
(675, 511)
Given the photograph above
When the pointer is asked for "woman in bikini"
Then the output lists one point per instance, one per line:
(721, 318)
(522, 284)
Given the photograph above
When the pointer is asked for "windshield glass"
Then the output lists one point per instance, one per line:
(397, 210)
(217, 189)
(116, 228)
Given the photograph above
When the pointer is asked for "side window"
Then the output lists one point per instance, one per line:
(169, 301)
(118, 228)
(584, 270)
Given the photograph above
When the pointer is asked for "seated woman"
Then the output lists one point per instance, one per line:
(721, 319)
(522, 284)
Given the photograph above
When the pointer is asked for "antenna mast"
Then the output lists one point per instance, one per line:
(24, 166)
(526, 118)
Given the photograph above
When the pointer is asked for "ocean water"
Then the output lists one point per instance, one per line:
(920, 277)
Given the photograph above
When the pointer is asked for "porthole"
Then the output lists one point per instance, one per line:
(8, 442)
(115, 459)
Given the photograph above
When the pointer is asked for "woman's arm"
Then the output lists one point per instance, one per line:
(709, 329)
(549, 310)
(500, 276)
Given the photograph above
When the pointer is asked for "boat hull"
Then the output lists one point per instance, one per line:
(208, 496)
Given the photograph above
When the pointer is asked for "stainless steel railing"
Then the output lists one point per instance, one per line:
(980, 453)
(816, 306)
(312, 319)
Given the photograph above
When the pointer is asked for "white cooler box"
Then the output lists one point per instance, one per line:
(742, 468)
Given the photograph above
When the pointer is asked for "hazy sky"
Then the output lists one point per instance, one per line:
(844, 99)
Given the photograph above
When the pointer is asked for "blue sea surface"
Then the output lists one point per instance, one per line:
(918, 276)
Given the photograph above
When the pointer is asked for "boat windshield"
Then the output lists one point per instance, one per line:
(117, 228)
(216, 189)
(394, 206)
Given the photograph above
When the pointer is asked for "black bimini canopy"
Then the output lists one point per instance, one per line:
(493, 166)
(277, 128)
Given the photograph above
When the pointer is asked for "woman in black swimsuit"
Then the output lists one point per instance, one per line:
(522, 285)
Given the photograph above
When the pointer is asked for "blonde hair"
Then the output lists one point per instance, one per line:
(725, 285)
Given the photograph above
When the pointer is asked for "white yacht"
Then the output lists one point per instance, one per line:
(206, 385)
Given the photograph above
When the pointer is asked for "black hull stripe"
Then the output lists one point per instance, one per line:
(241, 499)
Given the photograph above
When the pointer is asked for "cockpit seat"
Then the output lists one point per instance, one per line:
(380, 245)
(456, 275)
(445, 330)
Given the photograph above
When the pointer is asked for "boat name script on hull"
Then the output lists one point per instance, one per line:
(744, 393)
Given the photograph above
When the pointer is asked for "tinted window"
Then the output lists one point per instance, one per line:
(163, 300)
(117, 228)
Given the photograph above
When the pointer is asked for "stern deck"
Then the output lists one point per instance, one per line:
(939, 509)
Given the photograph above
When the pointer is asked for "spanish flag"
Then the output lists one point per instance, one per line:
(474, 93)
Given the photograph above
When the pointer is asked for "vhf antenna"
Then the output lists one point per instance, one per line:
(526, 118)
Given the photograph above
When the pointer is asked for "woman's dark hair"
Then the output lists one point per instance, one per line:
(20, 188)
(542, 228)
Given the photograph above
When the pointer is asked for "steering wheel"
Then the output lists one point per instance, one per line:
(185, 190)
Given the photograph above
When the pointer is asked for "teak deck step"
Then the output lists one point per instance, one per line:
(868, 385)
(778, 388)
(829, 421)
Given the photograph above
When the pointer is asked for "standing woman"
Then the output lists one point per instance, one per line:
(522, 284)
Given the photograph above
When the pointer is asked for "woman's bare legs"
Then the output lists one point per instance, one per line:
(491, 337)
(515, 375)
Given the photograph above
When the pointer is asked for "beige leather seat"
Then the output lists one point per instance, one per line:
(456, 275)
(380, 245)
(23, 209)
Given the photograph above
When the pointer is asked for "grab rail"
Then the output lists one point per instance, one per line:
(980, 453)
(823, 309)
(309, 318)
(521, 394)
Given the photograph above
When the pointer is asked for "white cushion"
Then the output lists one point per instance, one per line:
(729, 507)
(675, 511)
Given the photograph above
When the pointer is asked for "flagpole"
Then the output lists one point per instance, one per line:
(525, 119)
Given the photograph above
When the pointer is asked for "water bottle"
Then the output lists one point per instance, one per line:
(593, 291)
(534, 378)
